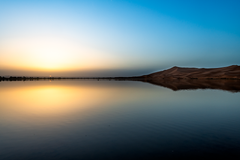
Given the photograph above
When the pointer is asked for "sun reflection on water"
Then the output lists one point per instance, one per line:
(47, 101)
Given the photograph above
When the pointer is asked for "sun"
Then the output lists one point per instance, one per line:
(51, 59)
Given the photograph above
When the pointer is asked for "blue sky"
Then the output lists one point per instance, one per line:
(116, 37)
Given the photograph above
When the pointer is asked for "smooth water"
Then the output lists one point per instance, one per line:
(77, 119)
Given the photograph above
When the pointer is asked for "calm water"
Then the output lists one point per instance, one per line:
(116, 120)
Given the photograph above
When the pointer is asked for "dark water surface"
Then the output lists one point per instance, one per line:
(116, 120)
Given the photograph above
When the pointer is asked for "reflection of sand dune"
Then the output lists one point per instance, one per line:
(184, 84)
(231, 72)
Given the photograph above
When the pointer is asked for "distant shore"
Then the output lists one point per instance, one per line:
(12, 78)
(224, 73)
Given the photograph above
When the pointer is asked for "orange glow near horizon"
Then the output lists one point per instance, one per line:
(51, 54)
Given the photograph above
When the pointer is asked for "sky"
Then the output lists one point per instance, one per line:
(116, 37)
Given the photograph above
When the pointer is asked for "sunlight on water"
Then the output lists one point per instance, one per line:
(117, 120)
(49, 100)
(44, 100)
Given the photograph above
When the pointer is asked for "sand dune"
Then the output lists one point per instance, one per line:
(230, 72)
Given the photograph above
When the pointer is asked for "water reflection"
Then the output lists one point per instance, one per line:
(44, 101)
(115, 120)
(189, 84)
(231, 85)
